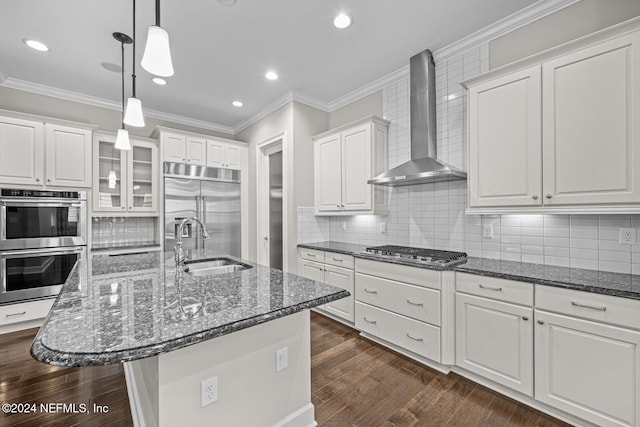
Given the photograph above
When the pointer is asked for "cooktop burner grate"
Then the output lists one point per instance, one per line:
(427, 256)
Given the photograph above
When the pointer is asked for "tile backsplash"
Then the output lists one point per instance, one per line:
(432, 215)
(119, 231)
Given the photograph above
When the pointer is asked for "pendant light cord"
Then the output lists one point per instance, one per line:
(122, 74)
(133, 73)
(157, 13)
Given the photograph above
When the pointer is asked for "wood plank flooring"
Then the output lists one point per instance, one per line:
(354, 383)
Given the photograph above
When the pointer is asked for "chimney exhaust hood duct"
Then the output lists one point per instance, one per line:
(423, 166)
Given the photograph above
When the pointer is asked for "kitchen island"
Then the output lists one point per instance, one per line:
(176, 329)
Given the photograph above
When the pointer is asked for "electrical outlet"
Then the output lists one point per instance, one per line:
(627, 236)
(208, 391)
(382, 227)
(282, 359)
(487, 231)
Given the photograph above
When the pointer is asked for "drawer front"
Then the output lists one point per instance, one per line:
(339, 260)
(604, 308)
(417, 337)
(311, 254)
(408, 300)
(32, 310)
(401, 273)
(494, 288)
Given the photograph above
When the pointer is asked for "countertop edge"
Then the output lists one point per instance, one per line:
(43, 354)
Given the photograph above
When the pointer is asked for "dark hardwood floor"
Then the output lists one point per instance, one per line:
(354, 383)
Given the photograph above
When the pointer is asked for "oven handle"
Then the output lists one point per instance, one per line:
(44, 251)
(46, 204)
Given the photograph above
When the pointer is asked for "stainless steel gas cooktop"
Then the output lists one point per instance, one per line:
(422, 255)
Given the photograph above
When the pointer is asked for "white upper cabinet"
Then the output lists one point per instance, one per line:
(559, 131)
(344, 159)
(181, 148)
(196, 150)
(34, 153)
(221, 154)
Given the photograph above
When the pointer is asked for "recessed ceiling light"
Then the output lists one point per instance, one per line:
(110, 66)
(342, 21)
(237, 104)
(228, 3)
(159, 81)
(34, 44)
(271, 75)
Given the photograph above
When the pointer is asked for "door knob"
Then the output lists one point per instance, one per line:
(266, 237)
(548, 196)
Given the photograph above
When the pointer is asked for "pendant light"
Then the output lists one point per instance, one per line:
(133, 112)
(122, 140)
(157, 54)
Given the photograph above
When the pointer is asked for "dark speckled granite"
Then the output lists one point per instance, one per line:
(337, 247)
(601, 282)
(118, 309)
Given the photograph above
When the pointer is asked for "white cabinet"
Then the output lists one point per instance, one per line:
(15, 317)
(125, 181)
(333, 269)
(344, 159)
(181, 148)
(222, 154)
(34, 153)
(559, 131)
(587, 356)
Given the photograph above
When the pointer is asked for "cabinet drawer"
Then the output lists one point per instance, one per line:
(417, 337)
(311, 254)
(408, 300)
(402, 273)
(32, 310)
(339, 260)
(604, 308)
(494, 288)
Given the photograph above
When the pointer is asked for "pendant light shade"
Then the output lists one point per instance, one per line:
(157, 54)
(122, 140)
(133, 113)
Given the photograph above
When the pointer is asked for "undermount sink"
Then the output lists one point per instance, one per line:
(212, 266)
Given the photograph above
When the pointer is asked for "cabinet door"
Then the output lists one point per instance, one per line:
(174, 148)
(143, 177)
(311, 270)
(505, 143)
(232, 156)
(109, 176)
(341, 278)
(588, 369)
(21, 151)
(327, 174)
(215, 153)
(68, 156)
(196, 150)
(591, 104)
(356, 168)
(495, 340)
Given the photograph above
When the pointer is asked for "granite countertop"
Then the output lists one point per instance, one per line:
(98, 247)
(118, 309)
(602, 282)
(337, 247)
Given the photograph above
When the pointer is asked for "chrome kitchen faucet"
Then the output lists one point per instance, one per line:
(179, 253)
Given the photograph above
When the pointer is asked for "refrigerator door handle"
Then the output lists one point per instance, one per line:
(203, 215)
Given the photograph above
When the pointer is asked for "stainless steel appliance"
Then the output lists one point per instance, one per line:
(42, 235)
(422, 255)
(211, 195)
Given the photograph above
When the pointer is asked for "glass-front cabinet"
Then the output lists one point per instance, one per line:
(125, 181)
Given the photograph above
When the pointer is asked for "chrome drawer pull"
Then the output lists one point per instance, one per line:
(16, 314)
(414, 338)
(490, 288)
(419, 304)
(575, 304)
(373, 322)
(313, 255)
(337, 259)
(370, 291)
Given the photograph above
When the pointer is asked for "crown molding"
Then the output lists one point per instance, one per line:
(268, 109)
(519, 19)
(94, 101)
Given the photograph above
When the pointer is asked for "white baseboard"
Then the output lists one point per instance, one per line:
(134, 398)
(303, 417)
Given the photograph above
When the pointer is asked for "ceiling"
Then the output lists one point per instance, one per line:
(220, 53)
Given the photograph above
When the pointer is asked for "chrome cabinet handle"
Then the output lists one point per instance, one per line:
(370, 291)
(490, 288)
(601, 308)
(37, 179)
(48, 179)
(548, 196)
(525, 318)
(310, 254)
(419, 304)
(16, 314)
(337, 259)
(534, 197)
(415, 338)
(373, 322)
(540, 322)
(342, 206)
(337, 206)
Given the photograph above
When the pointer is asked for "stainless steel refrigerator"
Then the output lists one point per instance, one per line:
(210, 194)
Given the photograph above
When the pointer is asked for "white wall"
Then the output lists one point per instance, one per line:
(365, 106)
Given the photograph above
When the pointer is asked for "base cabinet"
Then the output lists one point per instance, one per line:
(588, 369)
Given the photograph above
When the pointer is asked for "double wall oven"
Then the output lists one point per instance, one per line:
(42, 235)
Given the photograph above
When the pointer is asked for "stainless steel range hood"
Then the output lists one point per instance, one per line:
(423, 166)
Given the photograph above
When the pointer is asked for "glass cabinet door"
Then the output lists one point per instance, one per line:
(142, 167)
(110, 180)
